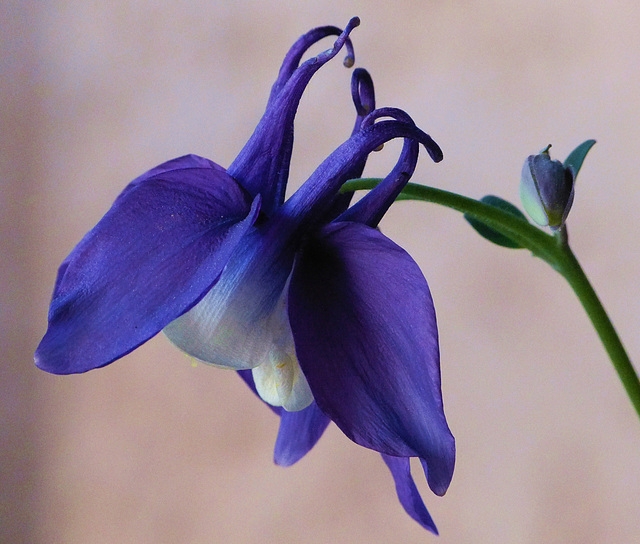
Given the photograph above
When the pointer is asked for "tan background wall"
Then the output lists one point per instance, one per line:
(152, 450)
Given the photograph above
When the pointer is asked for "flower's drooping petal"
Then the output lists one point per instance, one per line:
(365, 332)
(364, 100)
(408, 493)
(311, 201)
(370, 209)
(299, 48)
(262, 167)
(160, 247)
(241, 323)
(299, 431)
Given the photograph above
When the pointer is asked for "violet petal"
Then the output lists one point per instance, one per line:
(366, 338)
(154, 254)
(408, 493)
(298, 433)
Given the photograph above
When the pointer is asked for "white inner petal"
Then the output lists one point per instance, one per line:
(242, 323)
(230, 326)
(279, 380)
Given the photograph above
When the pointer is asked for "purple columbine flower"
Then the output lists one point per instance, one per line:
(322, 315)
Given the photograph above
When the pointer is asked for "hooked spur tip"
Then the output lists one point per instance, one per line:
(400, 115)
(362, 92)
(350, 59)
(434, 150)
(353, 22)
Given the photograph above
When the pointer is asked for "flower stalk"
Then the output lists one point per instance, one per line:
(555, 250)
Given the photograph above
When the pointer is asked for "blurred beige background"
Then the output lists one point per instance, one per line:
(153, 450)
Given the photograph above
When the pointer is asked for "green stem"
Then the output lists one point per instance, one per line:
(554, 250)
(573, 273)
(520, 231)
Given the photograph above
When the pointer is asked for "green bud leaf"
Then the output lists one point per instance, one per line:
(576, 157)
(489, 233)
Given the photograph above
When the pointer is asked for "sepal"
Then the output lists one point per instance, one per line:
(155, 253)
(576, 157)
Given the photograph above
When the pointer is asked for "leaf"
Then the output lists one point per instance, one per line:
(488, 232)
(576, 157)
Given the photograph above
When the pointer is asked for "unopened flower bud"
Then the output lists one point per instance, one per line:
(546, 190)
